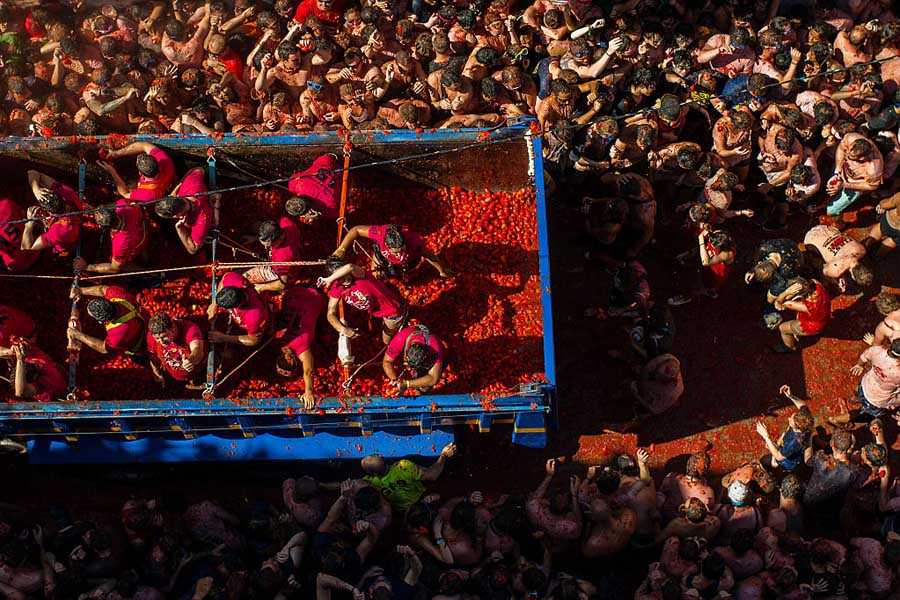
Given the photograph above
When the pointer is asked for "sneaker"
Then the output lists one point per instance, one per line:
(678, 300)
(710, 293)
(782, 349)
(772, 320)
(11, 447)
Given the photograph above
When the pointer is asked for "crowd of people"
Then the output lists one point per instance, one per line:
(654, 113)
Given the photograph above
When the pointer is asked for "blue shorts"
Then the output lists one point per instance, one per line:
(866, 411)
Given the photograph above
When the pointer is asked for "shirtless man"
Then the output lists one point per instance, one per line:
(888, 330)
(637, 491)
(560, 523)
(779, 152)
(834, 254)
(676, 488)
(858, 168)
(611, 530)
(694, 521)
(733, 141)
(788, 515)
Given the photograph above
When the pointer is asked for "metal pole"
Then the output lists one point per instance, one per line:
(345, 186)
(73, 362)
(209, 390)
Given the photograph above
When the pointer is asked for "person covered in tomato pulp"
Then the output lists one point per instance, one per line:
(50, 225)
(119, 313)
(190, 206)
(301, 307)
(357, 287)
(316, 191)
(245, 306)
(396, 250)
(414, 359)
(177, 350)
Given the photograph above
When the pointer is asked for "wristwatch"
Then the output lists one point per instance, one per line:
(441, 542)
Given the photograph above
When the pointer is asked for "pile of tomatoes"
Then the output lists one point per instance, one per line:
(488, 314)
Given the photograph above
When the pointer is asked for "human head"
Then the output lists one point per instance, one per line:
(287, 364)
(374, 465)
(627, 466)
(713, 566)
(270, 233)
(230, 297)
(785, 139)
(758, 84)
(147, 165)
(841, 440)
(700, 212)
(697, 465)
(739, 37)
(687, 158)
(886, 303)
(694, 510)
(858, 35)
(608, 480)
(791, 488)
(169, 208)
(738, 493)
(162, 328)
(802, 420)
(102, 310)
(862, 274)
(419, 357)
(860, 150)
(669, 108)
(874, 455)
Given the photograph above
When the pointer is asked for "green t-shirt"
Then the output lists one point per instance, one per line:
(401, 486)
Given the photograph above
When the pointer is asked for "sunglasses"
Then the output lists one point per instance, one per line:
(315, 86)
(582, 53)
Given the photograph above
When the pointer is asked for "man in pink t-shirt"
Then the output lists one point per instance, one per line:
(282, 241)
(421, 358)
(157, 172)
(194, 214)
(14, 324)
(119, 313)
(317, 190)
(836, 253)
(128, 234)
(356, 287)
(300, 310)
(247, 309)
(36, 375)
(730, 55)
(60, 234)
(176, 348)
(395, 249)
(14, 258)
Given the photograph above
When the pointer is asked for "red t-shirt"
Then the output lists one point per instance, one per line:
(14, 323)
(819, 307)
(51, 380)
(15, 259)
(125, 335)
(716, 275)
(131, 240)
(62, 232)
(253, 318)
(300, 310)
(232, 61)
(288, 249)
(153, 188)
(319, 184)
(310, 8)
(200, 216)
(398, 345)
(172, 356)
(410, 256)
(368, 295)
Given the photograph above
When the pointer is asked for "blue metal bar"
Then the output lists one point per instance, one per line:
(73, 364)
(211, 357)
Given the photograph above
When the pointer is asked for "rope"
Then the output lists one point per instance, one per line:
(210, 383)
(244, 362)
(349, 380)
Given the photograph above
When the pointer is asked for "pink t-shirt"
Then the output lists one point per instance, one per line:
(839, 250)
(320, 185)
(253, 318)
(368, 295)
(300, 310)
(398, 345)
(123, 336)
(14, 323)
(11, 252)
(50, 381)
(411, 254)
(735, 62)
(62, 232)
(153, 188)
(172, 356)
(288, 249)
(881, 383)
(200, 216)
(131, 240)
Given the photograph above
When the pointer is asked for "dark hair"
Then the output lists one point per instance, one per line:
(701, 212)
(419, 357)
(102, 310)
(333, 263)
(791, 488)
(627, 465)
(168, 208)
(689, 550)
(147, 165)
(105, 216)
(559, 86)
(367, 500)
(687, 158)
(862, 274)
(534, 580)
(297, 206)
(489, 87)
(784, 139)
(51, 202)
(462, 517)
(740, 36)
(669, 107)
(801, 174)
(175, 30)
(821, 552)
(269, 231)
(804, 419)
(842, 440)
(861, 148)
(230, 297)
(742, 540)
(393, 237)
(608, 480)
(697, 464)
(159, 323)
(466, 18)
(876, 454)
(487, 56)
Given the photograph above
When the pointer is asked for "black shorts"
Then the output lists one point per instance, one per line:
(888, 230)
